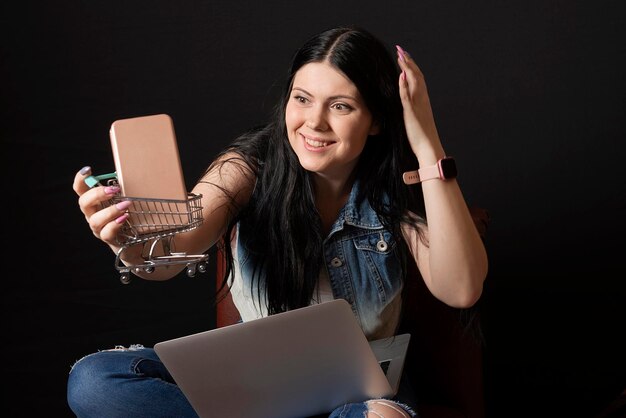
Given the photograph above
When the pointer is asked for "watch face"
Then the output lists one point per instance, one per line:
(448, 168)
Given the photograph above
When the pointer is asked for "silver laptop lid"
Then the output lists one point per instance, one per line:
(299, 363)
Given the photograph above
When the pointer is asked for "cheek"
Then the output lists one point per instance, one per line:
(291, 124)
(357, 135)
(291, 118)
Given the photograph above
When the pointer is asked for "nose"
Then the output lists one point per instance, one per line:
(316, 119)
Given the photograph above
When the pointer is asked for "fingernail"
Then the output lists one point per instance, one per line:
(400, 53)
(403, 75)
(405, 54)
(122, 218)
(111, 189)
(85, 170)
(123, 205)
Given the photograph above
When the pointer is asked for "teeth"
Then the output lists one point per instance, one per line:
(314, 143)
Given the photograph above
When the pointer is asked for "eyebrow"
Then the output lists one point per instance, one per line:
(338, 96)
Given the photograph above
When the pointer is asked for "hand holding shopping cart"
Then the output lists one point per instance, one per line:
(153, 223)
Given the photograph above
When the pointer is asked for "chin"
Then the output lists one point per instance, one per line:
(313, 168)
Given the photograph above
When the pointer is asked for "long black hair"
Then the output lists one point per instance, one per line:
(281, 219)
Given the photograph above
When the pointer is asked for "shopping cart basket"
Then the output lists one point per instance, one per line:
(153, 223)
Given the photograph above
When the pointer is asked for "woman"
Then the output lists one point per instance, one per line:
(317, 195)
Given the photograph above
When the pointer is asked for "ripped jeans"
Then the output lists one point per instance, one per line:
(132, 382)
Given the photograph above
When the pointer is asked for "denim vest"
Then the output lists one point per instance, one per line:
(363, 265)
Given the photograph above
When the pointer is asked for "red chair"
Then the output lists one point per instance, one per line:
(444, 360)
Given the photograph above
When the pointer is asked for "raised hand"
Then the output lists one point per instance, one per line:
(418, 115)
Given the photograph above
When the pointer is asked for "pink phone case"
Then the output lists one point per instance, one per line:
(149, 172)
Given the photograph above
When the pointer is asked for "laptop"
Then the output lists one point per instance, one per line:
(299, 363)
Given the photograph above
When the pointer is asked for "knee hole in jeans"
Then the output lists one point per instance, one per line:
(384, 408)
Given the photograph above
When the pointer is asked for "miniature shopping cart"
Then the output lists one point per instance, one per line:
(153, 223)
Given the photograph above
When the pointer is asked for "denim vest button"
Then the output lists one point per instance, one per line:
(382, 245)
(336, 262)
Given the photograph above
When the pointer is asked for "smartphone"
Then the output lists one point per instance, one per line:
(149, 172)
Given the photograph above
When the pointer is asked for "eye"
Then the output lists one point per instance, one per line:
(342, 107)
(301, 99)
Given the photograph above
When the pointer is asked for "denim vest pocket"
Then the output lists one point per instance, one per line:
(381, 242)
(377, 251)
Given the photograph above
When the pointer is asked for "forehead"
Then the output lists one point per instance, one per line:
(321, 78)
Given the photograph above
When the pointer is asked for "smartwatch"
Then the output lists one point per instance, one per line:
(444, 169)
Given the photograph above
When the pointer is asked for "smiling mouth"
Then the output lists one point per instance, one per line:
(316, 143)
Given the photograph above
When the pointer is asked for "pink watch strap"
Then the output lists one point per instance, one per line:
(423, 174)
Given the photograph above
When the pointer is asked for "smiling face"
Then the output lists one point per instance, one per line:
(327, 121)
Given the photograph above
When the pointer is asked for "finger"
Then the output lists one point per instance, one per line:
(79, 185)
(401, 58)
(110, 231)
(408, 62)
(96, 196)
(413, 75)
(407, 91)
(106, 223)
(408, 76)
(403, 86)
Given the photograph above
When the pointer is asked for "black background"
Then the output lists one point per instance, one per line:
(528, 96)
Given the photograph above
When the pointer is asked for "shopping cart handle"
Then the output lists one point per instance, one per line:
(92, 181)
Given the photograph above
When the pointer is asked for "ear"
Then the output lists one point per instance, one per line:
(374, 129)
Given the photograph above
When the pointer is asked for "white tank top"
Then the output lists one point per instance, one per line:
(249, 307)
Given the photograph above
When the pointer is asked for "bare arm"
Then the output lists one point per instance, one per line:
(454, 263)
(229, 177)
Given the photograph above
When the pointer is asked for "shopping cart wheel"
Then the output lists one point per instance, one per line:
(125, 278)
(191, 270)
(202, 267)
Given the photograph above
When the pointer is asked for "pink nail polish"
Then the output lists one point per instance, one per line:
(123, 205)
(122, 218)
(111, 189)
(400, 53)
